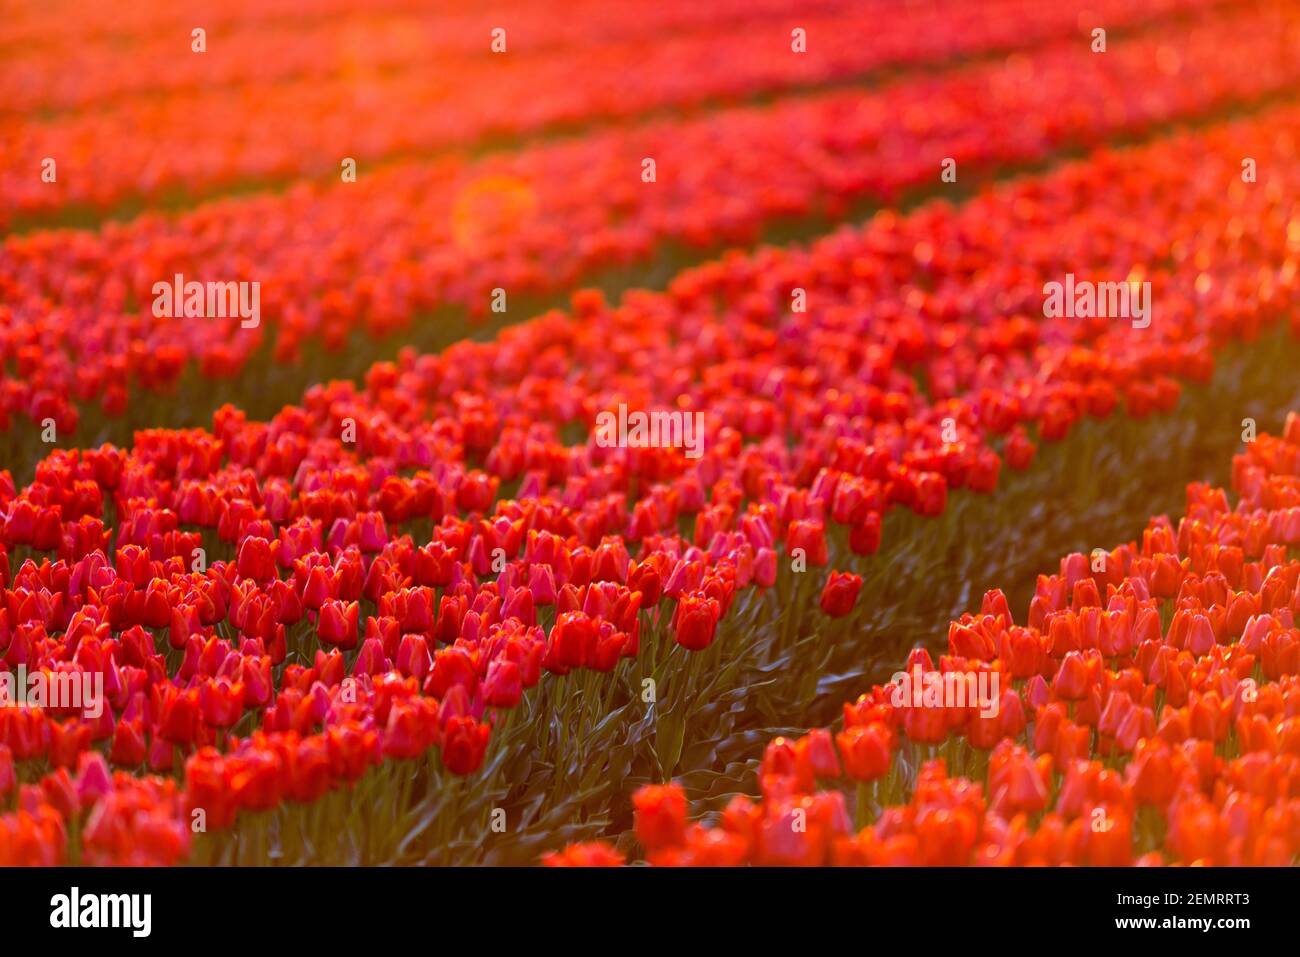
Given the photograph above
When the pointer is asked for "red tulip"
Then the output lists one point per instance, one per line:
(810, 537)
(503, 686)
(840, 593)
(696, 621)
(595, 854)
(660, 816)
(338, 624)
(464, 742)
(867, 751)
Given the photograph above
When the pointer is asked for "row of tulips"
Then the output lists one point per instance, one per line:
(1149, 714)
(356, 44)
(938, 301)
(96, 21)
(276, 609)
(378, 255)
(278, 803)
(108, 158)
(50, 25)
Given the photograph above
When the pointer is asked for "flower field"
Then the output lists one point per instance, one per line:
(471, 434)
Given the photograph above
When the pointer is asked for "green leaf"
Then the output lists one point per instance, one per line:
(670, 731)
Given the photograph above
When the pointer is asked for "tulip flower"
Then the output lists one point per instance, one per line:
(866, 751)
(695, 621)
(660, 816)
(591, 854)
(464, 743)
(338, 624)
(840, 594)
